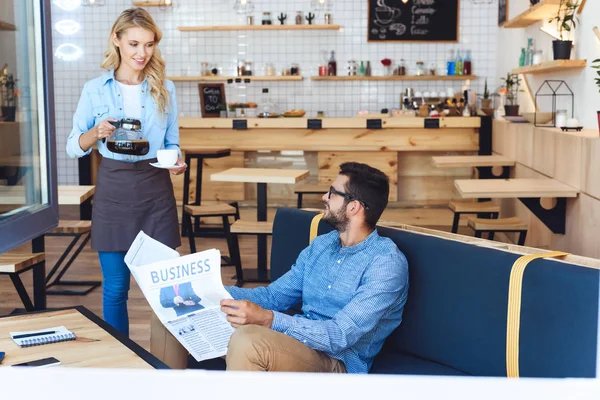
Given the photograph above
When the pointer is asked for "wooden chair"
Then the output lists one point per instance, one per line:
(14, 264)
(307, 188)
(482, 209)
(77, 230)
(491, 226)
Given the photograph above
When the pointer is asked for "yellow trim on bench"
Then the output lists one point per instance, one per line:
(513, 322)
(314, 227)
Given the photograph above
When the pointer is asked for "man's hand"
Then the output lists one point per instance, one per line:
(244, 312)
(189, 303)
(179, 168)
(178, 300)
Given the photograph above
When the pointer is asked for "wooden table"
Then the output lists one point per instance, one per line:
(98, 345)
(512, 188)
(484, 164)
(528, 191)
(67, 195)
(472, 161)
(260, 176)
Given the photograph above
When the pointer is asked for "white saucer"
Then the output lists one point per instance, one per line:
(159, 165)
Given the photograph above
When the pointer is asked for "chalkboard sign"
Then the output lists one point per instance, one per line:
(212, 99)
(502, 11)
(415, 21)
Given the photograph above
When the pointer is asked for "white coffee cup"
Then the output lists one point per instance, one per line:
(167, 158)
(572, 123)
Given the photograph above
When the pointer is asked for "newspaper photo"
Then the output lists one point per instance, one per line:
(184, 293)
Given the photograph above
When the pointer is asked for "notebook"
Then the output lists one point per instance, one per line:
(44, 336)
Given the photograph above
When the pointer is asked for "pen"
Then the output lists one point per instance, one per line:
(26, 335)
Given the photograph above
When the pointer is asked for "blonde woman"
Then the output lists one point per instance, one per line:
(131, 195)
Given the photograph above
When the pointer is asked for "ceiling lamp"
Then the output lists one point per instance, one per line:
(243, 7)
(68, 52)
(321, 5)
(165, 4)
(67, 5)
(67, 27)
(92, 3)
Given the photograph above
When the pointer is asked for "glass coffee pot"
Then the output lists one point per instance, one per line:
(127, 138)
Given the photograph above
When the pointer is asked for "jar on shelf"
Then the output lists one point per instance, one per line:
(537, 57)
(266, 18)
(270, 69)
(241, 66)
(402, 67)
(432, 69)
(247, 68)
(561, 118)
(295, 69)
(204, 69)
(299, 18)
(420, 71)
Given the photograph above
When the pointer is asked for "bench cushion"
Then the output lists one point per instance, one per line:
(393, 362)
(456, 310)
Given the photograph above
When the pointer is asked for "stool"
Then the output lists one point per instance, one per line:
(218, 210)
(14, 264)
(77, 230)
(491, 226)
(308, 188)
(485, 208)
(199, 154)
(241, 227)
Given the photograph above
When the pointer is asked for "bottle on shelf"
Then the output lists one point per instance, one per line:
(467, 66)
(458, 64)
(450, 64)
(523, 57)
(361, 71)
(530, 51)
(368, 69)
(332, 65)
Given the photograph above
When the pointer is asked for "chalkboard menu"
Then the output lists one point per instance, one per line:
(502, 11)
(212, 99)
(415, 21)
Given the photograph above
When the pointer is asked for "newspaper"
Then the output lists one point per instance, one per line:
(185, 294)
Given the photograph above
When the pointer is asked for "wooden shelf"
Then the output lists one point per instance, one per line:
(543, 10)
(261, 28)
(150, 4)
(551, 66)
(225, 78)
(396, 78)
(5, 26)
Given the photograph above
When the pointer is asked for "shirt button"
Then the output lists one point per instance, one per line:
(329, 287)
(304, 341)
(339, 261)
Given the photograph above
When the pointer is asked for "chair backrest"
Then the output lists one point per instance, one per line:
(456, 312)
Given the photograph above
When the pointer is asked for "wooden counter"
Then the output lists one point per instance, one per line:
(402, 148)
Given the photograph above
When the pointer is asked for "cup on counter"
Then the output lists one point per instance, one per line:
(322, 70)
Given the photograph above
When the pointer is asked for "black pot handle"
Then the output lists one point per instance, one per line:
(116, 124)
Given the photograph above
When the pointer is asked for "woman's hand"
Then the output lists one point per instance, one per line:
(179, 168)
(105, 129)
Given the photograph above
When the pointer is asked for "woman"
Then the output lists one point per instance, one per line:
(131, 195)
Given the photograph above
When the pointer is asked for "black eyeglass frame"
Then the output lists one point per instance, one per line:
(347, 196)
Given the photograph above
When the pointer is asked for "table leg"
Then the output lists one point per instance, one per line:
(261, 274)
(39, 275)
(186, 194)
(85, 210)
(199, 167)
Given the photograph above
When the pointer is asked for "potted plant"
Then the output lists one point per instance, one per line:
(486, 102)
(511, 89)
(566, 21)
(8, 94)
(596, 65)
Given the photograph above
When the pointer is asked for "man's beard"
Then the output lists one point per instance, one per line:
(338, 219)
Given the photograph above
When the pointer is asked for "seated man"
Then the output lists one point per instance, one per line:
(352, 283)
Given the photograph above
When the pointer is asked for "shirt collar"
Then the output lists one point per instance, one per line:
(359, 246)
(110, 75)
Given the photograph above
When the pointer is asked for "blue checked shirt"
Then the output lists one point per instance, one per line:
(352, 297)
(101, 98)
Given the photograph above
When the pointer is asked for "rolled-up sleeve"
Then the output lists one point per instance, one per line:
(83, 121)
(172, 134)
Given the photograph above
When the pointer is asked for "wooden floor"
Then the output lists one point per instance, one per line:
(87, 267)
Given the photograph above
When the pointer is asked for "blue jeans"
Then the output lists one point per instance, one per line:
(115, 288)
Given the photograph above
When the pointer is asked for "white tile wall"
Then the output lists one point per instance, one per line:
(184, 51)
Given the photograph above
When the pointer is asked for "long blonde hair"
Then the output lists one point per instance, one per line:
(154, 72)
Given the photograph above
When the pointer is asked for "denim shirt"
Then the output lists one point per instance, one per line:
(101, 98)
(352, 297)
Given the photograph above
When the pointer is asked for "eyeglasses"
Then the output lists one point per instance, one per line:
(347, 196)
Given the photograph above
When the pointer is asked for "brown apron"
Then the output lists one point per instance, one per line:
(131, 197)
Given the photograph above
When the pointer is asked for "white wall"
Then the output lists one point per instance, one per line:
(183, 50)
(587, 46)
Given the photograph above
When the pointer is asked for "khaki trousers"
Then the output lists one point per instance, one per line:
(255, 348)
(165, 347)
